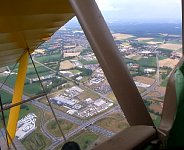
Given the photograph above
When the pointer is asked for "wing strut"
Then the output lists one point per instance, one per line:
(17, 96)
(115, 69)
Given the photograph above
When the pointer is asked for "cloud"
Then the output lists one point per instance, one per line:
(149, 9)
(107, 5)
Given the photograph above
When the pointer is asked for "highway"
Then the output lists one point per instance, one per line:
(81, 123)
(156, 82)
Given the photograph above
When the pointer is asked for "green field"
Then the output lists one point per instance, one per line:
(65, 125)
(167, 52)
(127, 60)
(6, 97)
(162, 57)
(40, 69)
(36, 141)
(114, 122)
(157, 121)
(85, 62)
(33, 89)
(84, 139)
(49, 58)
(25, 109)
(34, 75)
(87, 93)
(74, 71)
(174, 42)
(11, 80)
(147, 62)
(164, 82)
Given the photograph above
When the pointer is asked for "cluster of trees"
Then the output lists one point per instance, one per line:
(24, 107)
(165, 52)
(86, 51)
(85, 72)
(55, 83)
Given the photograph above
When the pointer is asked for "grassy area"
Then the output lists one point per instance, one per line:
(162, 57)
(5, 96)
(11, 80)
(167, 52)
(136, 57)
(74, 71)
(134, 73)
(33, 89)
(34, 75)
(25, 109)
(36, 141)
(49, 58)
(85, 139)
(112, 97)
(65, 125)
(164, 82)
(85, 62)
(157, 121)
(141, 90)
(174, 42)
(127, 60)
(54, 66)
(147, 62)
(40, 69)
(88, 94)
(115, 123)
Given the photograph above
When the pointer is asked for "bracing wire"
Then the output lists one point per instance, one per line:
(9, 75)
(46, 96)
(4, 123)
(11, 71)
(3, 117)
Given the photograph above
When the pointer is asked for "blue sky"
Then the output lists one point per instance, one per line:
(141, 10)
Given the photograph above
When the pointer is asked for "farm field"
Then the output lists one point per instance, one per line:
(115, 122)
(134, 57)
(168, 63)
(145, 80)
(147, 62)
(85, 139)
(170, 46)
(66, 65)
(65, 125)
(119, 36)
(153, 42)
(6, 97)
(144, 39)
(71, 54)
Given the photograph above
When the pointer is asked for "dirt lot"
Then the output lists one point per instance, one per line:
(154, 94)
(144, 39)
(71, 54)
(168, 63)
(153, 42)
(119, 36)
(115, 122)
(134, 57)
(66, 65)
(161, 90)
(156, 107)
(144, 80)
(112, 96)
(171, 46)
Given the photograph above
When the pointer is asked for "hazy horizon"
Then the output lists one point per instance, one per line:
(141, 11)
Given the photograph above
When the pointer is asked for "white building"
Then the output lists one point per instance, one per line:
(25, 126)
